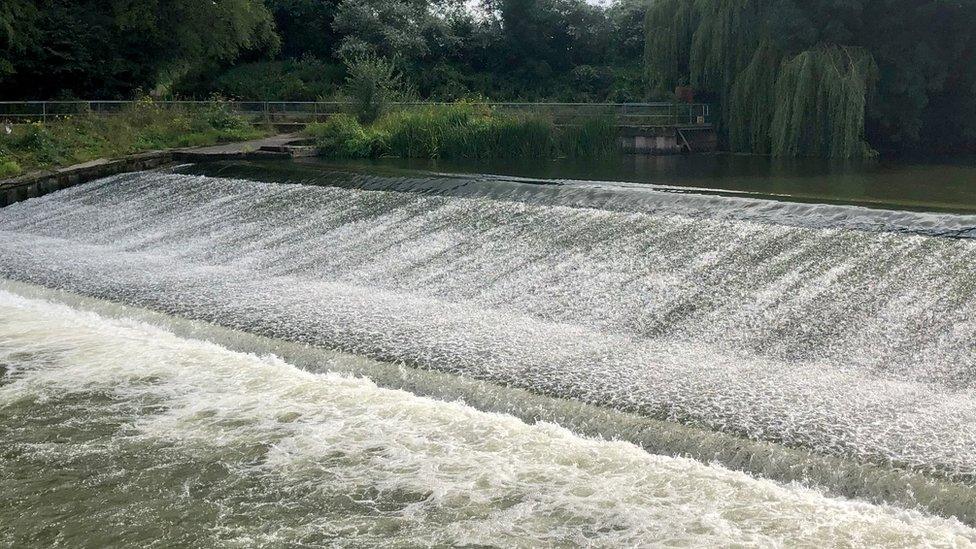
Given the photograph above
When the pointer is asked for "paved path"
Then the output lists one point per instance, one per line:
(241, 147)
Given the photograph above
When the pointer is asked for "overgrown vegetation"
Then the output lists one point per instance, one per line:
(142, 127)
(464, 130)
(567, 50)
(833, 78)
(105, 49)
(305, 79)
(373, 83)
(830, 78)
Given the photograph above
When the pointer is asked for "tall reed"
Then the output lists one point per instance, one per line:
(465, 131)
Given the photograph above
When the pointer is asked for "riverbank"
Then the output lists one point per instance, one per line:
(39, 183)
(141, 127)
(468, 131)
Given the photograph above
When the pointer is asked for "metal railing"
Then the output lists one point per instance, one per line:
(627, 114)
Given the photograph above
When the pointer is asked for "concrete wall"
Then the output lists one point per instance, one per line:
(39, 184)
(661, 140)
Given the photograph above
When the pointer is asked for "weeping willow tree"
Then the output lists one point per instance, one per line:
(776, 96)
(751, 101)
(820, 101)
(670, 27)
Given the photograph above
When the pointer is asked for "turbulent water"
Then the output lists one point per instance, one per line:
(836, 344)
(176, 441)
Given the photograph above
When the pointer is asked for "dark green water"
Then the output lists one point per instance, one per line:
(946, 185)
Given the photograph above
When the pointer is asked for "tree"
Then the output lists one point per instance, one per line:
(109, 49)
(16, 31)
(886, 70)
(306, 27)
(408, 29)
(371, 85)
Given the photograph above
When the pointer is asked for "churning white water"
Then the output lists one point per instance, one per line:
(831, 345)
(134, 435)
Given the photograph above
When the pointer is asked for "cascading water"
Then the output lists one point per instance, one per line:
(836, 343)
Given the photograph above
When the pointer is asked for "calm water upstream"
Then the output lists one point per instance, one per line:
(930, 185)
(687, 351)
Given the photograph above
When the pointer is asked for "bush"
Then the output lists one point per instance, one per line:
(464, 130)
(372, 84)
(219, 117)
(307, 79)
(344, 137)
(9, 168)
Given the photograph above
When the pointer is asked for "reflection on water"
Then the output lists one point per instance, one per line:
(933, 185)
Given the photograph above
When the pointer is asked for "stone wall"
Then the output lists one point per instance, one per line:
(661, 140)
(41, 183)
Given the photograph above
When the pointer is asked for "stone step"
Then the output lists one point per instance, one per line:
(295, 151)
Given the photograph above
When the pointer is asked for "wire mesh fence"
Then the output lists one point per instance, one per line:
(626, 114)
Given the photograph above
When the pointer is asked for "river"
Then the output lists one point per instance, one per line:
(679, 352)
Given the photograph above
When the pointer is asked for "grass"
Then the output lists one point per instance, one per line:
(142, 127)
(464, 130)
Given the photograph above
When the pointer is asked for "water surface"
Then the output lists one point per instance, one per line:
(825, 343)
(120, 433)
(929, 184)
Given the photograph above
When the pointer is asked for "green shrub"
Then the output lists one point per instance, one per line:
(372, 84)
(344, 137)
(306, 79)
(220, 117)
(464, 130)
(9, 168)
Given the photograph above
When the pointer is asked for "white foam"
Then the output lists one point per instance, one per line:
(468, 477)
(846, 342)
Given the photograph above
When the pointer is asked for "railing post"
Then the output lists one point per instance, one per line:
(44, 111)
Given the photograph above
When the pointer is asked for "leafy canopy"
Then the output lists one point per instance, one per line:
(111, 48)
(819, 77)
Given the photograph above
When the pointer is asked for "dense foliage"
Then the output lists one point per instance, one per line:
(821, 77)
(833, 78)
(112, 48)
(463, 130)
(264, 49)
(373, 83)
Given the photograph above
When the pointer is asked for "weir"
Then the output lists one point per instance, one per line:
(803, 331)
(847, 478)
